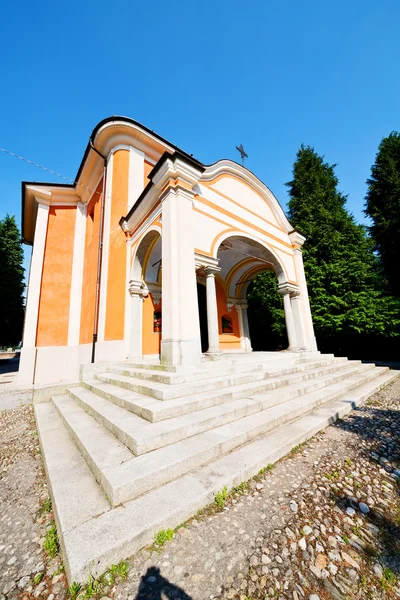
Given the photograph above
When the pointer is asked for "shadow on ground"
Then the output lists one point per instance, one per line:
(153, 586)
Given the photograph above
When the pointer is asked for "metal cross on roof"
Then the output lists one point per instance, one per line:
(242, 153)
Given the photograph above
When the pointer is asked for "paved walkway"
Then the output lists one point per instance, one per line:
(323, 523)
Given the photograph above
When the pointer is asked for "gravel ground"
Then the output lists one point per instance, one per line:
(322, 523)
(12, 394)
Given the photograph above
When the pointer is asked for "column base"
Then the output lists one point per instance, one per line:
(175, 353)
(296, 349)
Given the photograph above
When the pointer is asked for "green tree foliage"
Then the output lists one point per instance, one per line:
(383, 206)
(266, 314)
(11, 283)
(348, 294)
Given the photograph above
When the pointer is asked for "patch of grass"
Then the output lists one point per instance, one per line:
(51, 544)
(332, 476)
(345, 538)
(74, 590)
(92, 587)
(45, 508)
(270, 466)
(221, 497)
(163, 536)
(388, 579)
(262, 471)
(38, 578)
(348, 461)
(297, 448)
(241, 488)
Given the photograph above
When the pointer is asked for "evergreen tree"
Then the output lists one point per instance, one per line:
(383, 206)
(347, 294)
(266, 314)
(11, 283)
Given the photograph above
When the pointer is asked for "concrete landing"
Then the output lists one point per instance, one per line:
(136, 448)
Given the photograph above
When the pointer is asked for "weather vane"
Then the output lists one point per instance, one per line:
(242, 153)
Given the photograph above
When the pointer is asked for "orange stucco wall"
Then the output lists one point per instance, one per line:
(227, 341)
(116, 284)
(56, 278)
(90, 266)
(151, 342)
(147, 168)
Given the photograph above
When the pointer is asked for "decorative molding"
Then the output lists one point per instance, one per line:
(231, 168)
(297, 239)
(138, 288)
(288, 288)
(156, 291)
(202, 262)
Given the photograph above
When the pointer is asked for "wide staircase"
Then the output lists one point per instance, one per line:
(135, 448)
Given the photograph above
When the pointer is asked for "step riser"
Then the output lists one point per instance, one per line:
(136, 488)
(196, 387)
(176, 435)
(291, 365)
(167, 411)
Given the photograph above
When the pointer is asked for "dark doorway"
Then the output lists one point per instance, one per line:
(202, 301)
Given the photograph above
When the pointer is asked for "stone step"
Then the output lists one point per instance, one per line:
(127, 478)
(142, 437)
(173, 378)
(94, 542)
(155, 410)
(164, 391)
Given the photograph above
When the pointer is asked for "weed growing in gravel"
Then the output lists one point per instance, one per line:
(270, 466)
(297, 448)
(60, 570)
(348, 461)
(164, 535)
(51, 544)
(38, 578)
(221, 497)
(45, 508)
(388, 579)
(345, 538)
(92, 587)
(333, 475)
(74, 589)
(241, 488)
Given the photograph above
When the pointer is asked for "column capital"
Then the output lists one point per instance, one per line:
(176, 168)
(206, 263)
(138, 288)
(296, 239)
(288, 288)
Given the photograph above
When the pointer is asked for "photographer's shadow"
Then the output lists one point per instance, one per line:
(153, 586)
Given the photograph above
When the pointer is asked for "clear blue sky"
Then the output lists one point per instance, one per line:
(207, 76)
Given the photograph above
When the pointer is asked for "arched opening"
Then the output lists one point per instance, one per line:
(251, 273)
(145, 289)
(266, 314)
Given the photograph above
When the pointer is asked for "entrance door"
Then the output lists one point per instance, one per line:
(202, 302)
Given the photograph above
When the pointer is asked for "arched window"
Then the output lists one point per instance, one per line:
(157, 321)
(227, 324)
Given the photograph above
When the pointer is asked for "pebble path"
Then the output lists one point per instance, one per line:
(323, 523)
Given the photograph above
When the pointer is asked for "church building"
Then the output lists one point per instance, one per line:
(150, 254)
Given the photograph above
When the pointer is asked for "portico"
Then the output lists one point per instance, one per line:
(141, 236)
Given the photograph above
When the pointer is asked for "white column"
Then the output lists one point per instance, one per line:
(308, 327)
(75, 304)
(295, 299)
(212, 311)
(137, 293)
(28, 352)
(180, 344)
(105, 251)
(286, 290)
(244, 332)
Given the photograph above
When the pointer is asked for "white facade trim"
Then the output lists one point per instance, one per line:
(136, 175)
(106, 248)
(75, 304)
(35, 276)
